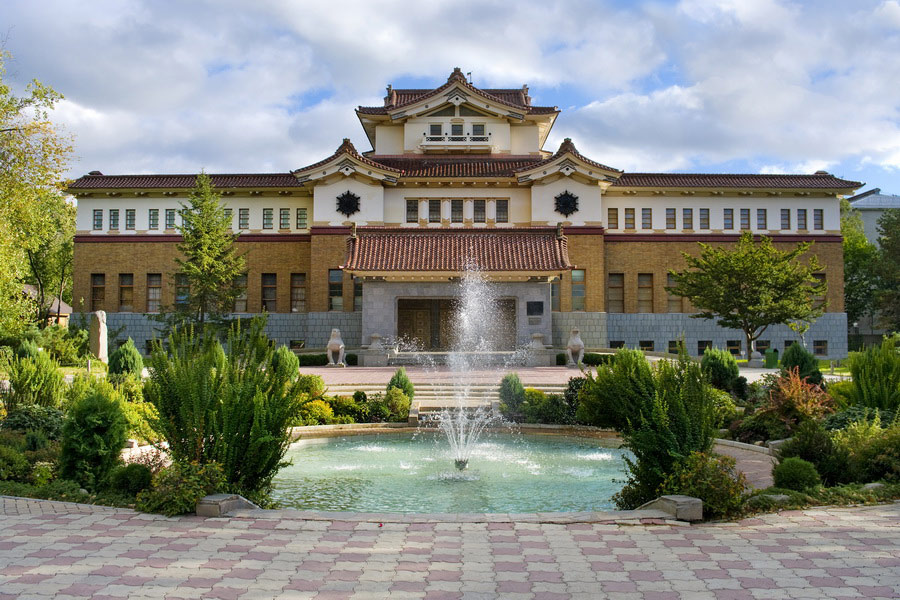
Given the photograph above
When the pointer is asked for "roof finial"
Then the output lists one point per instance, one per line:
(456, 75)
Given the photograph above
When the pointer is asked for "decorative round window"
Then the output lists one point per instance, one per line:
(348, 203)
(566, 203)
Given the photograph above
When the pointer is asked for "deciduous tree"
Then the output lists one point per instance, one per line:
(860, 261)
(888, 268)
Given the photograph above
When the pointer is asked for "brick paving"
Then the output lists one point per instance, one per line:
(51, 550)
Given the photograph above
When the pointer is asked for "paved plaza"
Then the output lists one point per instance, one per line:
(59, 550)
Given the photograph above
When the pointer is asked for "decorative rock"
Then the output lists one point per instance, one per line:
(97, 341)
(683, 508)
(574, 349)
(873, 486)
(335, 349)
(218, 505)
(775, 445)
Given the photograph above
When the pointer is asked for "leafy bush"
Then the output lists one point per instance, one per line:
(313, 360)
(759, 427)
(400, 380)
(796, 474)
(93, 436)
(724, 408)
(615, 396)
(36, 440)
(177, 489)
(316, 412)
(841, 392)
(512, 397)
(348, 408)
(720, 367)
(712, 478)
(572, 397)
(42, 473)
(311, 385)
(60, 489)
(34, 380)
(798, 358)
(813, 444)
(379, 411)
(876, 375)
(67, 346)
(28, 349)
(233, 409)
(131, 479)
(126, 360)
(351, 359)
(545, 408)
(397, 404)
(874, 452)
(854, 414)
(792, 401)
(594, 359)
(284, 358)
(13, 465)
(31, 417)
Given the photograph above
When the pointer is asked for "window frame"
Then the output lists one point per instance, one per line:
(298, 292)
(335, 290)
(615, 281)
(629, 218)
(479, 210)
(240, 300)
(785, 219)
(673, 300)
(501, 210)
(114, 219)
(412, 210)
(98, 291)
(284, 218)
(268, 218)
(170, 218)
(154, 292)
(434, 210)
(243, 218)
(153, 219)
(728, 219)
(98, 219)
(670, 219)
(579, 289)
(647, 288)
(704, 218)
(646, 218)
(126, 292)
(612, 218)
(457, 210)
(762, 219)
(745, 219)
(802, 222)
(130, 219)
(818, 219)
(687, 218)
(302, 218)
(268, 297)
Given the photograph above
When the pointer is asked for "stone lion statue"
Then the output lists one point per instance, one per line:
(335, 349)
(574, 349)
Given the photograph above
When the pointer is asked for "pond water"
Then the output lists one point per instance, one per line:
(401, 473)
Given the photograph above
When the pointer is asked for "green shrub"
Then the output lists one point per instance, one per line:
(543, 408)
(720, 367)
(793, 400)
(34, 380)
(854, 414)
(316, 412)
(796, 474)
(724, 408)
(615, 395)
(813, 444)
(796, 357)
(712, 478)
(512, 397)
(841, 392)
(129, 386)
(126, 360)
(594, 359)
(351, 359)
(131, 479)
(176, 490)
(397, 404)
(876, 375)
(759, 427)
(28, 349)
(285, 361)
(561, 359)
(93, 436)
(233, 409)
(347, 408)
(311, 385)
(400, 380)
(31, 417)
(378, 409)
(874, 452)
(360, 397)
(36, 440)
(13, 465)
(59, 489)
(313, 360)
(572, 397)
(42, 473)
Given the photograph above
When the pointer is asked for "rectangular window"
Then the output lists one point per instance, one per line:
(502, 211)
(615, 293)
(670, 218)
(702, 345)
(745, 218)
(820, 347)
(98, 291)
(616, 344)
(434, 210)
(456, 129)
(762, 220)
(302, 221)
(335, 289)
(674, 301)
(154, 292)
(478, 129)
(646, 345)
(182, 288)
(228, 217)
(126, 292)
(629, 218)
(153, 218)
(762, 346)
(269, 292)
(357, 294)
(578, 289)
(284, 218)
(98, 219)
(412, 211)
(114, 218)
(456, 210)
(646, 218)
(129, 218)
(554, 295)
(819, 300)
(673, 346)
(298, 292)
(687, 218)
(479, 206)
(612, 218)
(704, 218)
(240, 301)
(785, 218)
(733, 346)
(170, 218)
(268, 217)
(243, 218)
(801, 218)
(728, 216)
(818, 219)
(534, 309)
(788, 344)
(645, 293)
(435, 129)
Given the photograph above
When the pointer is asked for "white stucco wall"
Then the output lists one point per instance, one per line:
(389, 139)
(395, 202)
(543, 201)
(371, 202)
(416, 128)
(524, 139)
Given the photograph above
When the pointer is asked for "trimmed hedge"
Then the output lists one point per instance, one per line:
(591, 359)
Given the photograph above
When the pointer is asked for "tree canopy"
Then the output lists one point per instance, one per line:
(888, 268)
(860, 262)
(752, 286)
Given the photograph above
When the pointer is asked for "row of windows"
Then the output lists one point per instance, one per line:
(687, 218)
(268, 217)
(820, 347)
(437, 129)
(479, 210)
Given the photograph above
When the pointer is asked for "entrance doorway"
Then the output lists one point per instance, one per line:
(430, 323)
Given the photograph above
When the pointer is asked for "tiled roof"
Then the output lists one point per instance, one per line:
(730, 180)
(875, 200)
(247, 180)
(447, 250)
(515, 98)
(569, 146)
(346, 147)
(456, 165)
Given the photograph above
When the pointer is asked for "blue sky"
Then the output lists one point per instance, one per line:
(688, 85)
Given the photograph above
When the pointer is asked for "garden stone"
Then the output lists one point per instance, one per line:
(218, 505)
(873, 486)
(98, 342)
(683, 508)
(775, 446)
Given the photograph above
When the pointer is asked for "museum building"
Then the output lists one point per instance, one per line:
(375, 243)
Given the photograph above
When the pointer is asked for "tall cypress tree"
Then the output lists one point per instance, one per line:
(210, 264)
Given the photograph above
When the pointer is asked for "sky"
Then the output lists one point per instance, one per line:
(236, 86)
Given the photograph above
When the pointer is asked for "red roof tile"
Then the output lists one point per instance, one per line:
(386, 249)
(728, 180)
(248, 180)
(346, 147)
(456, 165)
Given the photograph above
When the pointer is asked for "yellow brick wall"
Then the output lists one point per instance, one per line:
(327, 252)
(585, 252)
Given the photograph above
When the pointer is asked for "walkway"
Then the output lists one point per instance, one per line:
(115, 553)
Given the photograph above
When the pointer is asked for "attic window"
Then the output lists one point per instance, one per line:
(447, 111)
(465, 111)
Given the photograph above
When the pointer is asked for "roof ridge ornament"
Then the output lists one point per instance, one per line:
(457, 75)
